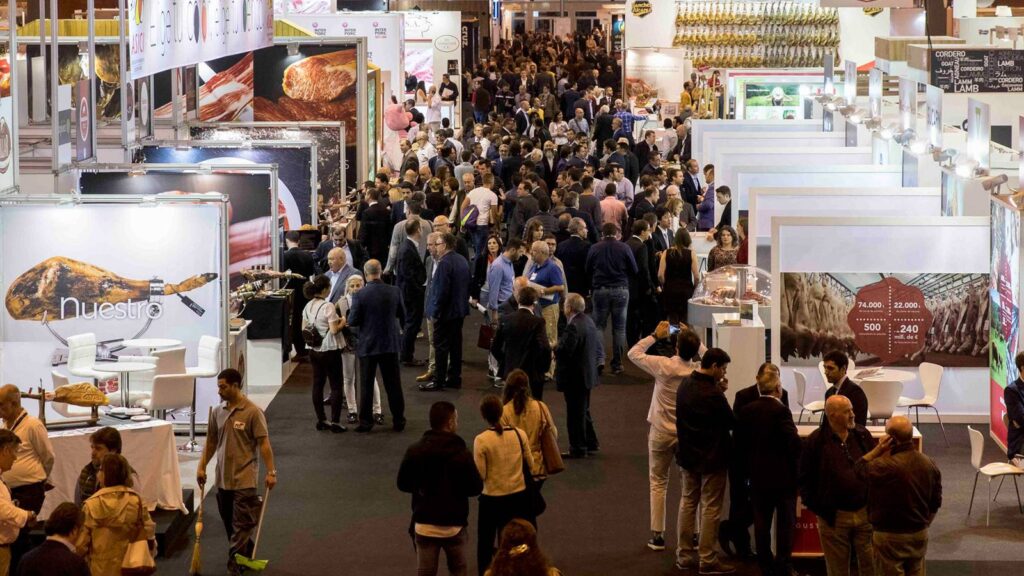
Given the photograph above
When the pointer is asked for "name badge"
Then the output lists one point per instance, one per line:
(239, 425)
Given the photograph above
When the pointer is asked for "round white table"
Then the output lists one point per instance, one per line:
(884, 375)
(123, 370)
(151, 344)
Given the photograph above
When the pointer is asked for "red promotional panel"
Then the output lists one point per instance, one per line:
(805, 534)
(889, 319)
(885, 319)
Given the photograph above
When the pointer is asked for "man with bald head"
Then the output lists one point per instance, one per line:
(32, 465)
(831, 487)
(339, 271)
(904, 493)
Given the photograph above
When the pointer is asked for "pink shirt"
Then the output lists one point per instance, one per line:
(613, 210)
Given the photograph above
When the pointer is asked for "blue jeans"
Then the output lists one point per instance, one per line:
(613, 301)
(479, 237)
(480, 117)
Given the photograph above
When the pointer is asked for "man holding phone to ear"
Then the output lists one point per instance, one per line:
(904, 493)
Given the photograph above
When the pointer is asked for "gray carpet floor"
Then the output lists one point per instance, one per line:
(336, 509)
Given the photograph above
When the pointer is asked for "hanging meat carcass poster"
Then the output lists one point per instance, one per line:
(885, 319)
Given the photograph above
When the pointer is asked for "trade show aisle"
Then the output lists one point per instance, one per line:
(336, 509)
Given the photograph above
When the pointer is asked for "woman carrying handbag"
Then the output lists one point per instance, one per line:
(533, 417)
(118, 536)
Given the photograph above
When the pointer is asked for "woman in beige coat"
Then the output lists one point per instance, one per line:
(523, 412)
(112, 518)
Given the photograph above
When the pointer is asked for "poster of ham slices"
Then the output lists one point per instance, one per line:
(885, 319)
(251, 203)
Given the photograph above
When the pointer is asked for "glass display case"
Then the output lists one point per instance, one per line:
(723, 289)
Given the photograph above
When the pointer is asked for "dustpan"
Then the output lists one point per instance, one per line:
(252, 564)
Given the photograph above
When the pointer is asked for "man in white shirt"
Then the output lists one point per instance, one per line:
(26, 479)
(13, 520)
(662, 439)
(486, 203)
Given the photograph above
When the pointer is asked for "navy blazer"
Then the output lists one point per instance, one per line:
(1014, 400)
(378, 312)
(52, 558)
(576, 355)
(449, 291)
(768, 446)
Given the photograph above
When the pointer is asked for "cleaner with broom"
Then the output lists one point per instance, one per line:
(236, 432)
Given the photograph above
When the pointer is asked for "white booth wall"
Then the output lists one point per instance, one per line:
(725, 158)
(769, 203)
(700, 130)
(890, 245)
(865, 176)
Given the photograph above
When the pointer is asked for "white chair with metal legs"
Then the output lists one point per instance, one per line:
(208, 356)
(170, 392)
(82, 356)
(1001, 469)
(801, 394)
(169, 361)
(931, 381)
(882, 396)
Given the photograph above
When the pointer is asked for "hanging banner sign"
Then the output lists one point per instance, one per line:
(6, 143)
(867, 4)
(934, 102)
(83, 124)
(974, 71)
(875, 92)
(167, 34)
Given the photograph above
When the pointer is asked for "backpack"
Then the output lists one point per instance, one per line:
(467, 220)
(310, 335)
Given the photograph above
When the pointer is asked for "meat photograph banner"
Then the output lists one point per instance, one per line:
(251, 208)
(294, 161)
(69, 72)
(317, 84)
(1003, 293)
(329, 138)
(166, 34)
(117, 271)
(885, 319)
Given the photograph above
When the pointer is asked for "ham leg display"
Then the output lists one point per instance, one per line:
(321, 78)
(45, 288)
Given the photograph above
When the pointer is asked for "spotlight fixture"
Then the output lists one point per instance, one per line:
(873, 123)
(887, 132)
(293, 49)
(918, 146)
(943, 157)
(965, 165)
(856, 117)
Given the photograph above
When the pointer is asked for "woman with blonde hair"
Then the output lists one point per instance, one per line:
(519, 554)
(114, 517)
(347, 338)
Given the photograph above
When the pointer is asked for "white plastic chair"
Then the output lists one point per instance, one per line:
(70, 411)
(169, 361)
(931, 381)
(170, 392)
(992, 470)
(882, 396)
(801, 394)
(82, 356)
(208, 356)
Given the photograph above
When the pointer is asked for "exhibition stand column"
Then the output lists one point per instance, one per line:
(744, 341)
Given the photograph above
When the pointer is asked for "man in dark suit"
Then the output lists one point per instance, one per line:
(375, 227)
(682, 147)
(572, 253)
(691, 185)
(662, 234)
(576, 375)
(378, 313)
(569, 98)
(768, 448)
(522, 118)
(411, 278)
(834, 364)
(300, 262)
(640, 288)
(603, 128)
(741, 514)
(522, 342)
(355, 254)
(56, 556)
(586, 103)
(447, 308)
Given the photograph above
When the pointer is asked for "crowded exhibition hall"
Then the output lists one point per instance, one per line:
(510, 288)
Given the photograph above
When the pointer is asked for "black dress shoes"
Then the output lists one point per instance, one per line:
(398, 426)
(430, 387)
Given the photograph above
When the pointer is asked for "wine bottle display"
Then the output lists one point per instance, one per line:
(60, 288)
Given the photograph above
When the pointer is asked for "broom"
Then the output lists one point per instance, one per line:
(197, 563)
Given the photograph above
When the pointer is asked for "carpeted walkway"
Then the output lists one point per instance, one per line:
(336, 509)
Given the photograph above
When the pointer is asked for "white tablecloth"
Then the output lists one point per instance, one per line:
(149, 448)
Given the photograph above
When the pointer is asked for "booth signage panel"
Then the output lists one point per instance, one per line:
(867, 3)
(973, 71)
(1003, 292)
(7, 120)
(933, 100)
(83, 123)
(979, 131)
(167, 34)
